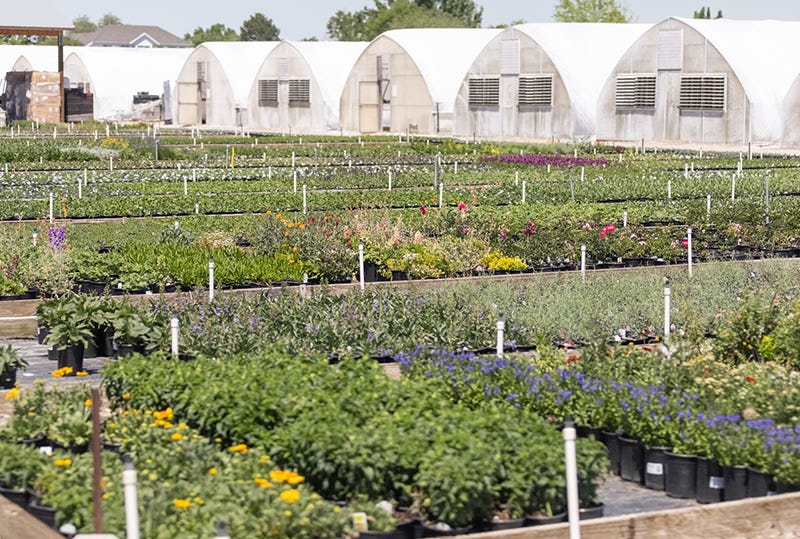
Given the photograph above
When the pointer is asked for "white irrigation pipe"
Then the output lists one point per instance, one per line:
(501, 330)
(689, 247)
(131, 500)
(211, 280)
(583, 261)
(441, 193)
(571, 465)
(174, 326)
(667, 305)
(305, 199)
(361, 265)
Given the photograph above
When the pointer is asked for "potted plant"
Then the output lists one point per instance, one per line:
(10, 361)
(130, 330)
(69, 334)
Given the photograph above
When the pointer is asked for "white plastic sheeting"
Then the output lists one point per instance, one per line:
(41, 58)
(584, 55)
(443, 56)
(330, 63)
(116, 74)
(764, 57)
(240, 61)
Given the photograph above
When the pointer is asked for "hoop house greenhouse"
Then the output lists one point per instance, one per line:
(215, 81)
(299, 86)
(702, 81)
(541, 81)
(406, 81)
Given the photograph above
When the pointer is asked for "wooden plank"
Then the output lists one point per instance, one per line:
(765, 518)
(19, 524)
(23, 327)
(19, 307)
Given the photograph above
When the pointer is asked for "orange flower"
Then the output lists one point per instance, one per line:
(291, 495)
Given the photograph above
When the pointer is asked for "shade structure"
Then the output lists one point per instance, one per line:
(298, 88)
(214, 83)
(408, 80)
(113, 75)
(541, 81)
(702, 81)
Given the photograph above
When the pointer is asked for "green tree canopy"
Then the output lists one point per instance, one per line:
(215, 32)
(259, 27)
(705, 13)
(369, 22)
(83, 24)
(591, 11)
(109, 18)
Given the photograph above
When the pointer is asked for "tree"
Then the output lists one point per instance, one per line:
(591, 11)
(512, 23)
(259, 28)
(369, 22)
(108, 19)
(312, 38)
(215, 32)
(705, 13)
(83, 24)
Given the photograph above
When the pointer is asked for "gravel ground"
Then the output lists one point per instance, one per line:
(619, 497)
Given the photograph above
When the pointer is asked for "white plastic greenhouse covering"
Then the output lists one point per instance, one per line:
(584, 55)
(443, 57)
(41, 58)
(241, 61)
(331, 63)
(118, 73)
(764, 57)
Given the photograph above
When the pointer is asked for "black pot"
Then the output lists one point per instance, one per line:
(631, 460)
(611, 441)
(710, 481)
(52, 354)
(654, 463)
(759, 483)
(588, 432)
(399, 275)
(71, 356)
(782, 487)
(41, 333)
(102, 337)
(19, 497)
(680, 478)
(45, 513)
(735, 482)
(511, 524)
(595, 511)
(541, 520)
(90, 351)
(372, 273)
(8, 379)
(127, 350)
(395, 534)
(430, 531)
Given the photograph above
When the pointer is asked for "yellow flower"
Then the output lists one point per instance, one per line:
(126, 396)
(165, 414)
(81, 373)
(62, 462)
(182, 504)
(263, 458)
(241, 448)
(199, 501)
(212, 471)
(287, 513)
(261, 482)
(88, 402)
(177, 436)
(291, 495)
(286, 476)
(294, 479)
(13, 394)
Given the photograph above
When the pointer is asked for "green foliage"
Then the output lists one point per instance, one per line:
(10, 361)
(591, 11)
(705, 13)
(259, 28)
(215, 32)
(20, 465)
(109, 19)
(83, 24)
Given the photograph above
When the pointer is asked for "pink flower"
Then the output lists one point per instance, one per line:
(685, 243)
(503, 233)
(423, 210)
(602, 234)
(462, 207)
(587, 226)
(611, 228)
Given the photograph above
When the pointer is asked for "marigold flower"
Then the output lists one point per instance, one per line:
(177, 436)
(88, 402)
(241, 448)
(751, 378)
(182, 504)
(81, 373)
(198, 500)
(164, 414)
(212, 471)
(261, 482)
(13, 394)
(126, 396)
(291, 495)
(62, 462)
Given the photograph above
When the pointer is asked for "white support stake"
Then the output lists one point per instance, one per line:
(211, 280)
(111, 163)
(669, 189)
(294, 175)
(361, 265)
(733, 189)
(571, 468)
(390, 180)
(455, 167)
(501, 335)
(80, 189)
(196, 207)
(708, 205)
(35, 239)
(689, 248)
(624, 218)
(292, 159)
(583, 261)
(441, 193)
(174, 326)
(51, 207)
(516, 177)
(686, 170)
(304, 199)
(667, 307)
(583, 173)
(194, 175)
(185, 186)
(131, 499)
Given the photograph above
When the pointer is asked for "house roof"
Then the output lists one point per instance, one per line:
(117, 73)
(121, 35)
(443, 56)
(584, 55)
(37, 16)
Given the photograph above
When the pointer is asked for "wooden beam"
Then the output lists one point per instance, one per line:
(23, 31)
(62, 103)
(19, 524)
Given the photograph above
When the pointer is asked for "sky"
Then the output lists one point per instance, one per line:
(298, 19)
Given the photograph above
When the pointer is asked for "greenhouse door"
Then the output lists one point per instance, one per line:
(187, 103)
(368, 107)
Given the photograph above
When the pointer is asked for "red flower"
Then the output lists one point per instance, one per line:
(685, 243)
(423, 210)
(751, 378)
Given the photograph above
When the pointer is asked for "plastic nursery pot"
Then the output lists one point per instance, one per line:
(735, 482)
(680, 479)
(631, 460)
(611, 441)
(654, 460)
(710, 481)
(71, 356)
(433, 530)
(541, 520)
(510, 524)
(759, 483)
(595, 511)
